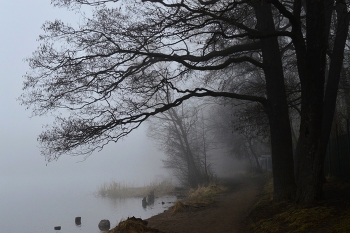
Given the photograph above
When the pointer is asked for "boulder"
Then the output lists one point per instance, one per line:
(104, 225)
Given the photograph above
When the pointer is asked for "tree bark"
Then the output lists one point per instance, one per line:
(277, 108)
(334, 74)
(309, 166)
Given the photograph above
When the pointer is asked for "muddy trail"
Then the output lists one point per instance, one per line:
(226, 214)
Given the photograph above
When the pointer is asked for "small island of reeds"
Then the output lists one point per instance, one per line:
(115, 189)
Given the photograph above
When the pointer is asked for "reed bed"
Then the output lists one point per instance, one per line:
(115, 189)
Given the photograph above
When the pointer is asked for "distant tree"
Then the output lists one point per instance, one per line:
(185, 145)
(104, 72)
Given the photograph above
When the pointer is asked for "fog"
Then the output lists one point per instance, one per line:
(37, 196)
(134, 159)
(24, 173)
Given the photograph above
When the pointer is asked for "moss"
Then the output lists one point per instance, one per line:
(292, 219)
(341, 224)
(329, 216)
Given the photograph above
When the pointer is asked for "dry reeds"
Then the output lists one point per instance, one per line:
(123, 190)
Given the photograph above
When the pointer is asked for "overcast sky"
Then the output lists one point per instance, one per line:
(133, 160)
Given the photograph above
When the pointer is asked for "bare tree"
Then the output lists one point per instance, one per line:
(176, 132)
(103, 72)
(181, 134)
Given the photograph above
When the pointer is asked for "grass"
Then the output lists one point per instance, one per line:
(200, 197)
(206, 192)
(133, 225)
(331, 215)
(179, 206)
(115, 189)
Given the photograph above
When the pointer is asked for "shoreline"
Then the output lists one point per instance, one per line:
(226, 213)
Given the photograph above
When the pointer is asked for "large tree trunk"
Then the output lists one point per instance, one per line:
(277, 108)
(334, 74)
(309, 166)
(317, 107)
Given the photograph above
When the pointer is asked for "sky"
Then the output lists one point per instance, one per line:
(134, 160)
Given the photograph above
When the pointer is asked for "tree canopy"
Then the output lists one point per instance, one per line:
(106, 72)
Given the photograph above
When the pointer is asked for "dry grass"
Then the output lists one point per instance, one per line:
(205, 192)
(123, 190)
(179, 206)
(200, 197)
(133, 225)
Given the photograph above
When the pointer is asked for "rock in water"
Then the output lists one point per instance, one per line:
(78, 221)
(104, 225)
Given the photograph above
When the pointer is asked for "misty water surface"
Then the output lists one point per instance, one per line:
(29, 210)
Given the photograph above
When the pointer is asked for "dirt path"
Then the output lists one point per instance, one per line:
(226, 215)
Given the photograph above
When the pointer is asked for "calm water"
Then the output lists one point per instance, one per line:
(31, 208)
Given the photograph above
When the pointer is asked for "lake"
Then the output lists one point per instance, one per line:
(28, 207)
